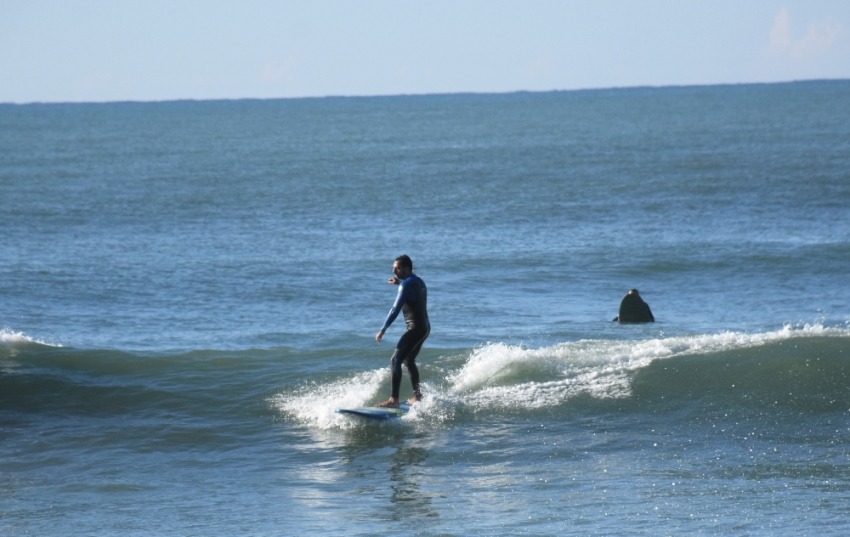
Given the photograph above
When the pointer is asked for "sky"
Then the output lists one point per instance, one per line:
(153, 50)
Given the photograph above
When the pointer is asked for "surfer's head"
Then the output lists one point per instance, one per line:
(402, 267)
(404, 261)
(634, 292)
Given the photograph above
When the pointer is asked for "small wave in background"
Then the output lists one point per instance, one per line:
(9, 337)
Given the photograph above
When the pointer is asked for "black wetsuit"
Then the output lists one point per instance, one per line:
(634, 310)
(412, 299)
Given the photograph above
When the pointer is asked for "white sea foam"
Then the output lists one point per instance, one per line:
(314, 404)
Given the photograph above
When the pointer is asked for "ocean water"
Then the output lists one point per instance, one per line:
(189, 289)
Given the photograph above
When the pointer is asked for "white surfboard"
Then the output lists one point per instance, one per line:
(377, 413)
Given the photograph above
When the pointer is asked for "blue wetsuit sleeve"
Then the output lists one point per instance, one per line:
(399, 302)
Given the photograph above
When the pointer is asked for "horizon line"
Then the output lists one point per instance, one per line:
(435, 94)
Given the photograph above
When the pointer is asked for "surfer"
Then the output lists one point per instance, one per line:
(634, 310)
(412, 299)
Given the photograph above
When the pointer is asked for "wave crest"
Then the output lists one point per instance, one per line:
(500, 375)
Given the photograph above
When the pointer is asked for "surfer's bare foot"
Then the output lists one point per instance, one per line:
(389, 403)
(414, 399)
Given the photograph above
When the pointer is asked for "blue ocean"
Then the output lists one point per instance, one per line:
(188, 290)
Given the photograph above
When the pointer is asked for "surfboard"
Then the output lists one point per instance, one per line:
(377, 413)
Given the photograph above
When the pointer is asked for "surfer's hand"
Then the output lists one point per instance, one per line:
(378, 336)
(393, 281)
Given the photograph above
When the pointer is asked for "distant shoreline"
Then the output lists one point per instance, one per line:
(423, 95)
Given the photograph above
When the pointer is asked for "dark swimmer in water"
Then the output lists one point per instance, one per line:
(634, 310)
